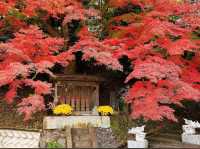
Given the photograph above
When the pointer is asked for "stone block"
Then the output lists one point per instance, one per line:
(82, 144)
(191, 139)
(140, 141)
(80, 131)
(76, 138)
(187, 129)
(60, 122)
(189, 134)
(68, 137)
(93, 136)
(137, 144)
(85, 138)
(61, 141)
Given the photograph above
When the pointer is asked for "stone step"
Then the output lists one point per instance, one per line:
(171, 146)
(168, 141)
(169, 135)
(164, 140)
(162, 145)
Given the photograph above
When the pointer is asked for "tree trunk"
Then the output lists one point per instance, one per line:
(71, 68)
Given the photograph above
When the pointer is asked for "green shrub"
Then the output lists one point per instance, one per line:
(54, 144)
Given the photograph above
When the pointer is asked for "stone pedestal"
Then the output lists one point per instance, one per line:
(189, 132)
(140, 141)
(60, 122)
(73, 131)
(137, 144)
(191, 139)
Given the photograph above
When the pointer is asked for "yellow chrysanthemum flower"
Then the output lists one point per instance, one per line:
(105, 110)
(63, 109)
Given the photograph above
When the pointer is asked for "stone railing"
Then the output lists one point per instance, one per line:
(19, 139)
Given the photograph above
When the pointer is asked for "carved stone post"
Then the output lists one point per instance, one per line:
(140, 141)
(189, 134)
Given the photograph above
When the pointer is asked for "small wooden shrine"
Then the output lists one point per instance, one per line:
(85, 86)
(80, 91)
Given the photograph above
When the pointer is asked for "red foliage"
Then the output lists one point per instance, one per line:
(93, 48)
(39, 86)
(6, 5)
(155, 97)
(155, 45)
(155, 69)
(30, 52)
(70, 9)
(12, 93)
(118, 3)
(30, 105)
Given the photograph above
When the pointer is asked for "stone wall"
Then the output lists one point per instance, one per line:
(19, 139)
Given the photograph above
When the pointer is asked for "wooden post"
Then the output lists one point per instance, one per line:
(56, 94)
(113, 100)
(97, 96)
(87, 101)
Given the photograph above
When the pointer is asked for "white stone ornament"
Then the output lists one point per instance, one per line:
(135, 130)
(140, 141)
(192, 124)
(189, 133)
(188, 129)
(140, 137)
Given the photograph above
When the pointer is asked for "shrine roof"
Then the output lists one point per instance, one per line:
(78, 77)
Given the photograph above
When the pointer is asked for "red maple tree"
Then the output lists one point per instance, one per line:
(32, 49)
(155, 40)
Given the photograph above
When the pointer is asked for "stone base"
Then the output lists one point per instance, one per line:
(137, 144)
(70, 138)
(191, 139)
(60, 122)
